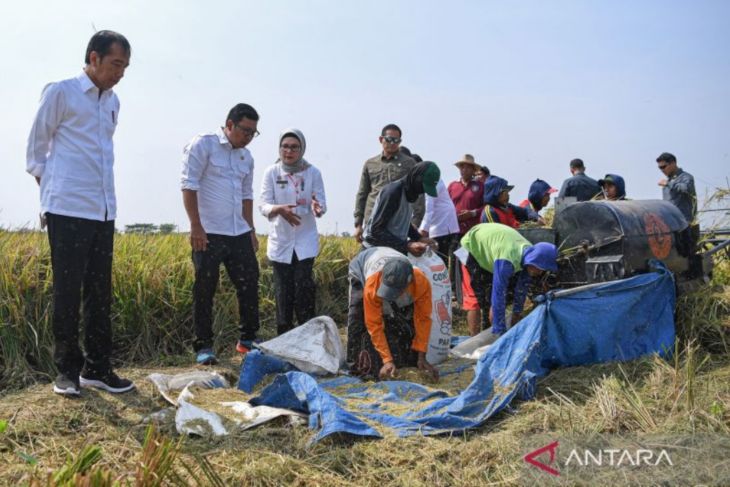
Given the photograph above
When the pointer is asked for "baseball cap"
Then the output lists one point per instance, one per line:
(608, 179)
(430, 179)
(397, 274)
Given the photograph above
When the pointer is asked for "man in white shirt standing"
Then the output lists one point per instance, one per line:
(440, 222)
(71, 154)
(217, 187)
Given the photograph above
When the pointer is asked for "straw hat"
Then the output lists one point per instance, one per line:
(468, 159)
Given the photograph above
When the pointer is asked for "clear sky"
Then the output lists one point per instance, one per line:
(524, 86)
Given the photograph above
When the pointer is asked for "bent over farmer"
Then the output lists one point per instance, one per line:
(389, 315)
(496, 253)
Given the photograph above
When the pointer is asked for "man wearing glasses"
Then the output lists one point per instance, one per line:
(217, 188)
(678, 186)
(391, 164)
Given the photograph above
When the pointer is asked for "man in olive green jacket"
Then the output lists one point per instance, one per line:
(388, 166)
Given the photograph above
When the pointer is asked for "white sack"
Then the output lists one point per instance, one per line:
(314, 347)
(476, 346)
(169, 385)
(194, 420)
(437, 273)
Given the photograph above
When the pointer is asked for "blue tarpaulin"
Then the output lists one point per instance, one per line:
(619, 320)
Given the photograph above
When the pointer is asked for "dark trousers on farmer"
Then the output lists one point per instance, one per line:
(81, 258)
(295, 290)
(362, 357)
(238, 257)
(447, 245)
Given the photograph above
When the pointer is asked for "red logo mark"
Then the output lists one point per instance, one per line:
(659, 235)
(531, 458)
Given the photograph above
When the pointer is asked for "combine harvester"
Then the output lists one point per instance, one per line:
(603, 241)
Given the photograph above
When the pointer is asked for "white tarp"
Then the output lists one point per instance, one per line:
(192, 420)
(181, 390)
(476, 346)
(169, 385)
(314, 347)
(195, 420)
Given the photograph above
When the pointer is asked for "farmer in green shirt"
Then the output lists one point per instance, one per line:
(496, 253)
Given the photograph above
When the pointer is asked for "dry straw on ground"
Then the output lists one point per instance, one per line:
(644, 397)
(688, 395)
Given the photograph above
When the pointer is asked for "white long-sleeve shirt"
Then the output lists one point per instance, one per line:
(278, 188)
(440, 218)
(223, 177)
(70, 148)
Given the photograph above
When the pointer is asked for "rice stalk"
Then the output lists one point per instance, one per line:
(152, 282)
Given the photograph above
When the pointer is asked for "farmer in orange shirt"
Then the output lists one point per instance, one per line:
(389, 316)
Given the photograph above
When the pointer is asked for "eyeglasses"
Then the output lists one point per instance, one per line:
(391, 140)
(293, 148)
(248, 132)
(662, 166)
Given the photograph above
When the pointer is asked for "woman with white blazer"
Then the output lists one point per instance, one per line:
(292, 197)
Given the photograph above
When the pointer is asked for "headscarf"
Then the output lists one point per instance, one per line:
(415, 176)
(493, 187)
(617, 181)
(538, 189)
(542, 255)
(301, 164)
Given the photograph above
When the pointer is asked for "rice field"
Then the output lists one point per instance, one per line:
(152, 300)
(105, 440)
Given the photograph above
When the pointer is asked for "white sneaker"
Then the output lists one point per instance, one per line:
(65, 386)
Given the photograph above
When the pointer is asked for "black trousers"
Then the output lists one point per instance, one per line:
(295, 292)
(362, 357)
(447, 245)
(81, 258)
(238, 257)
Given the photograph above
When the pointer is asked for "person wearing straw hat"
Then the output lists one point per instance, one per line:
(467, 193)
